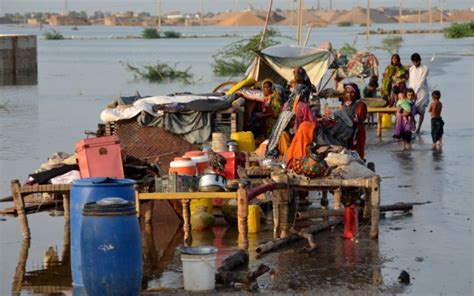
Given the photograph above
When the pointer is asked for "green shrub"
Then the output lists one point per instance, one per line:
(236, 57)
(150, 33)
(161, 72)
(391, 44)
(456, 31)
(348, 50)
(345, 24)
(172, 34)
(53, 35)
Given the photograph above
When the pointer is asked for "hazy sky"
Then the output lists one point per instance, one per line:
(7, 6)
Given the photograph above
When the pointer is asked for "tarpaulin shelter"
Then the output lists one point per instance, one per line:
(277, 63)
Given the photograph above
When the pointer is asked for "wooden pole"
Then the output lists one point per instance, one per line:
(419, 14)
(242, 216)
(159, 16)
(188, 239)
(20, 267)
(441, 11)
(66, 207)
(431, 19)
(20, 208)
(300, 22)
(310, 28)
(375, 207)
(368, 20)
(274, 244)
(267, 20)
(200, 19)
(337, 198)
(367, 205)
(282, 197)
(400, 17)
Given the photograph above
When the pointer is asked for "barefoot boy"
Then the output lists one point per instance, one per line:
(437, 122)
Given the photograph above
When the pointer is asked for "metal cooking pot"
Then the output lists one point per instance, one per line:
(212, 183)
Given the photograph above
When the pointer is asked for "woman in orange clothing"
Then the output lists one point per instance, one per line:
(301, 141)
(357, 110)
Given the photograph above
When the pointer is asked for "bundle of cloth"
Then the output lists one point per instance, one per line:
(61, 168)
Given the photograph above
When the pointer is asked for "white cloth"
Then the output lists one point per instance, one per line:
(66, 178)
(146, 104)
(419, 82)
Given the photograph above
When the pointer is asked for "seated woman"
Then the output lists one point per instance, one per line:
(271, 106)
(370, 90)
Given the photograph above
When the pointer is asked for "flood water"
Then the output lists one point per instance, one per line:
(77, 78)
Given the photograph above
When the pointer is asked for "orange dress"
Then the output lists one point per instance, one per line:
(299, 144)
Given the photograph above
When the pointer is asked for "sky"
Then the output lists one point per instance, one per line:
(185, 6)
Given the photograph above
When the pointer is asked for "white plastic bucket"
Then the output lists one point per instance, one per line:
(199, 268)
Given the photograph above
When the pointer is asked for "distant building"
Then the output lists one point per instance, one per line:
(34, 22)
(58, 20)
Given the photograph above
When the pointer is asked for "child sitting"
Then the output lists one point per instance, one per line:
(405, 120)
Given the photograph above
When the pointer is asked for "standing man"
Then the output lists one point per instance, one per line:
(418, 81)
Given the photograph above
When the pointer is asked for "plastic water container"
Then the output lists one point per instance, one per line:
(85, 191)
(253, 219)
(111, 248)
(199, 268)
(245, 140)
(202, 202)
(200, 158)
(183, 166)
(386, 120)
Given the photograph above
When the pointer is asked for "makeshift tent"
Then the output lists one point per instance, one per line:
(277, 63)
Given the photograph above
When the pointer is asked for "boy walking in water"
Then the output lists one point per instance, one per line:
(437, 122)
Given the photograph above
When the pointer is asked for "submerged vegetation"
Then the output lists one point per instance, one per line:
(161, 72)
(391, 44)
(150, 33)
(153, 33)
(53, 35)
(456, 30)
(236, 57)
(345, 24)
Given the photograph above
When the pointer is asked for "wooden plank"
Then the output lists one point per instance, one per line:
(382, 109)
(20, 208)
(185, 195)
(330, 183)
(58, 188)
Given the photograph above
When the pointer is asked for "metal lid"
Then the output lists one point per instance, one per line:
(103, 181)
(109, 206)
(206, 250)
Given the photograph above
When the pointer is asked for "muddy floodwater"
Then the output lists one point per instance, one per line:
(77, 78)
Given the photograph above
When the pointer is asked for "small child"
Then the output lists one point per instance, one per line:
(392, 101)
(437, 123)
(405, 120)
(411, 95)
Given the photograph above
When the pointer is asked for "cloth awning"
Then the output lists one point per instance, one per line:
(277, 62)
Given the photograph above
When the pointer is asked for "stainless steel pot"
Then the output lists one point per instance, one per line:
(212, 183)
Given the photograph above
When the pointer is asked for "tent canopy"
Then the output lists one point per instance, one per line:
(277, 63)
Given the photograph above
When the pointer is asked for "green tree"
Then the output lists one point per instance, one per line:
(236, 57)
(391, 44)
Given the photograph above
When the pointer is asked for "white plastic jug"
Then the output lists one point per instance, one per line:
(199, 268)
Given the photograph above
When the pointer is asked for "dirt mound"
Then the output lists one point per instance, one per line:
(328, 15)
(461, 16)
(244, 18)
(424, 17)
(359, 16)
(291, 18)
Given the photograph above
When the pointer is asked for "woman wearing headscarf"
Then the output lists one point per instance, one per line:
(271, 106)
(356, 109)
(394, 74)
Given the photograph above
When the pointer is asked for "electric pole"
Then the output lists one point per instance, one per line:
(368, 19)
(159, 16)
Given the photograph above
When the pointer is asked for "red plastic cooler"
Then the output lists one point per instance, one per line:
(100, 157)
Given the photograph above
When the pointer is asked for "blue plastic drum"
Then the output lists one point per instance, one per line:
(111, 251)
(91, 190)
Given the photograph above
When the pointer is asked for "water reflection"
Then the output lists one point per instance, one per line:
(338, 262)
(53, 276)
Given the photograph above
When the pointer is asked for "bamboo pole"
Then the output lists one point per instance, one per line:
(400, 17)
(267, 20)
(242, 215)
(159, 16)
(282, 197)
(441, 12)
(308, 233)
(310, 28)
(300, 22)
(375, 210)
(20, 208)
(431, 18)
(200, 18)
(419, 14)
(368, 20)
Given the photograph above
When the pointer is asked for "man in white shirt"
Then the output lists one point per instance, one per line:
(419, 82)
